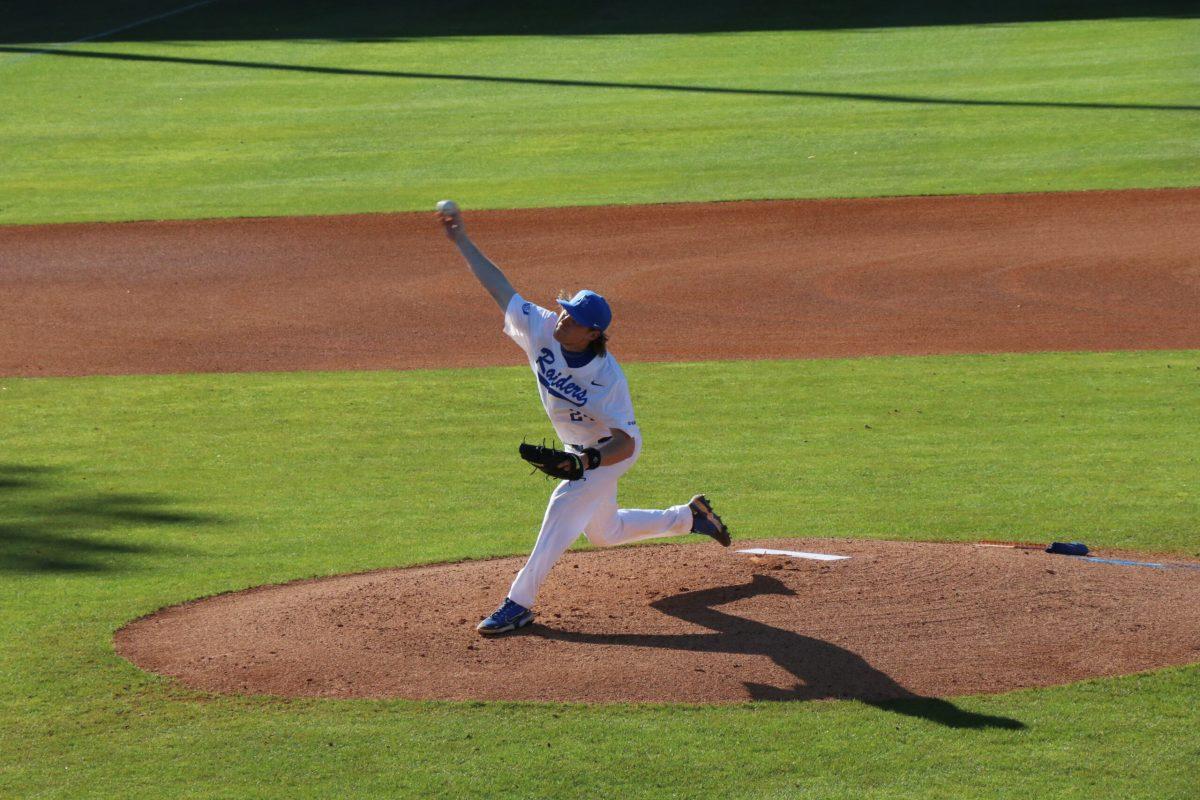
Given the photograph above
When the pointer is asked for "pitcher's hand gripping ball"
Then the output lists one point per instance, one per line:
(451, 219)
(560, 464)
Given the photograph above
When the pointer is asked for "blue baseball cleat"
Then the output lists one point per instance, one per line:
(508, 617)
(705, 521)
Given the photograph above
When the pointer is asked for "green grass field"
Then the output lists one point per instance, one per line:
(121, 495)
(208, 127)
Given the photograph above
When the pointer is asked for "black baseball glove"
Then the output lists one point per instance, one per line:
(561, 464)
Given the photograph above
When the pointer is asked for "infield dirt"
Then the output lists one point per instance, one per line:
(779, 279)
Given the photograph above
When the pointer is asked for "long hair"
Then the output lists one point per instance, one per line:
(599, 345)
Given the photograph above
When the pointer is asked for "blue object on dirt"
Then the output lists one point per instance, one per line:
(1068, 548)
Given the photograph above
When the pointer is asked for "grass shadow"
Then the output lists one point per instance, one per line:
(797, 94)
(389, 20)
(822, 670)
(46, 525)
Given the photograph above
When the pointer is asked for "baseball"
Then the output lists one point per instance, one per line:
(447, 207)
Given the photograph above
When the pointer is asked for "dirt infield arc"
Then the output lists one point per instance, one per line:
(780, 279)
(691, 623)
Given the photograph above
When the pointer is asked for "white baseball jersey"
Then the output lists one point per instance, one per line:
(583, 403)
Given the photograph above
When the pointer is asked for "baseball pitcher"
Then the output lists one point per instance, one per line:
(587, 400)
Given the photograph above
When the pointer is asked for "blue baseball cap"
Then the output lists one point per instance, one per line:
(589, 309)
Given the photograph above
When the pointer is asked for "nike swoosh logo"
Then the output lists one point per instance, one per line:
(601, 385)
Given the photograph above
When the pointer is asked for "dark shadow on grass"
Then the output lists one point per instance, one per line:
(581, 84)
(21, 476)
(822, 670)
(48, 526)
(374, 20)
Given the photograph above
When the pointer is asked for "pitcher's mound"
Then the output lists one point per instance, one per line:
(690, 623)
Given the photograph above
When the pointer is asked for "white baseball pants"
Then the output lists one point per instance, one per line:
(590, 507)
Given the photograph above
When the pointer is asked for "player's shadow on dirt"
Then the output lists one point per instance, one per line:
(823, 670)
(47, 525)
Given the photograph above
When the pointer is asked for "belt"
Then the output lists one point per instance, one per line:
(582, 447)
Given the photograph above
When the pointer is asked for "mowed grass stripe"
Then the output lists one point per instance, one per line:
(125, 494)
(228, 128)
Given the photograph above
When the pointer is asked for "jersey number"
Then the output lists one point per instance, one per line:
(576, 416)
